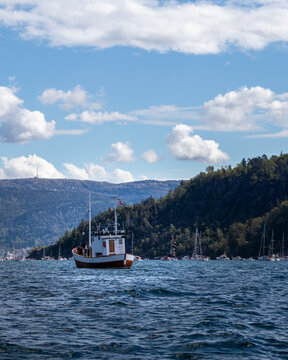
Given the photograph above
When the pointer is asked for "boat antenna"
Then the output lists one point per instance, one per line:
(89, 212)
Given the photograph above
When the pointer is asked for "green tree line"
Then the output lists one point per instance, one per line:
(229, 206)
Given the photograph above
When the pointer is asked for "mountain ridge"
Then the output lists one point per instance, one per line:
(34, 211)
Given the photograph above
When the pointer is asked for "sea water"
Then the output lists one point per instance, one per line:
(155, 310)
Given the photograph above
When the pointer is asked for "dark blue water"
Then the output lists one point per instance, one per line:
(156, 310)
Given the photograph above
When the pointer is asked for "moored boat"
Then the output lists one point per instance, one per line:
(197, 252)
(262, 256)
(106, 248)
(222, 257)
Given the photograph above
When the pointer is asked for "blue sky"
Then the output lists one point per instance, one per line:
(139, 89)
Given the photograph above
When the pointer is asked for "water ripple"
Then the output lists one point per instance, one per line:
(156, 310)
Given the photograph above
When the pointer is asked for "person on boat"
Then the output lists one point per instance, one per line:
(85, 249)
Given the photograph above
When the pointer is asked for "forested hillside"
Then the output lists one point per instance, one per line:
(229, 206)
(35, 212)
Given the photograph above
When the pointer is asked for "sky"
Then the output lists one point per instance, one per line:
(128, 90)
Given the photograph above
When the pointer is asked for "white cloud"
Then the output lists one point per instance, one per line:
(20, 125)
(98, 173)
(186, 147)
(233, 111)
(27, 167)
(281, 134)
(189, 27)
(93, 117)
(71, 132)
(278, 110)
(120, 176)
(150, 156)
(246, 109)
(122, 153)
(166, 111)
(165, 114)
(75, 98)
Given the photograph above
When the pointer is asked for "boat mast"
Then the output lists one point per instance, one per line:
(200, 245)
(115, 218)
(89, 214)
(115, 214)
(271, 247)
(195, 251)
(262, 245)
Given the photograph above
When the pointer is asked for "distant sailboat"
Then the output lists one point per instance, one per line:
(44, 255)
(59, 253)
(282, 251)
(262, 250)
(136, 257)
(271, 255)
(197, 252)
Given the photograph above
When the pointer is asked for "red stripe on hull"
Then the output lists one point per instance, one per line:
(103, 265)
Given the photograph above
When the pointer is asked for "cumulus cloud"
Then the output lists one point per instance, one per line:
(20, 125)
(150, 156)
(246, 109)
(200, 27)
(93, 117)
(75, 98)
(186, 147)
(96, 172)
(27, 167)
(122, 153)
(33, 165)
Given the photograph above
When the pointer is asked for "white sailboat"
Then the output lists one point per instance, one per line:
(282, 251)
(271, 255)
(106, 249)
(197, 252)
(262, 250)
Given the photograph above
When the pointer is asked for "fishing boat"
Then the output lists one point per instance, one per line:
(106, 248)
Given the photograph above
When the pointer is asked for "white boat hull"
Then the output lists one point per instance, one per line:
(111, 261)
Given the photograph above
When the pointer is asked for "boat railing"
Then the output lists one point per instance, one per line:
(108, 232)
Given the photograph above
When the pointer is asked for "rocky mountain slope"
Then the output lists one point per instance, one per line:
(38, 211)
